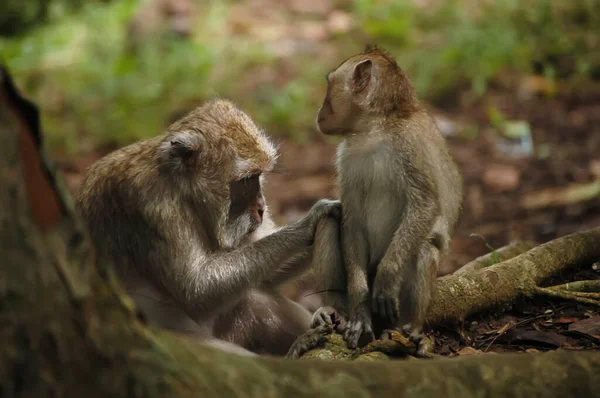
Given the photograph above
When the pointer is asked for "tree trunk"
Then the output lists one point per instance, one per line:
(67, 330)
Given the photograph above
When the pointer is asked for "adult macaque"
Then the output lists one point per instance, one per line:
(183, 218)
(401, 196)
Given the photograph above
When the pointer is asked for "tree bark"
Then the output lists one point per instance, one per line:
(67, 330)
(462, 294)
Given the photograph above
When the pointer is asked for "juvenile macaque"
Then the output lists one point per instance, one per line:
(401, 196)
(183, 218)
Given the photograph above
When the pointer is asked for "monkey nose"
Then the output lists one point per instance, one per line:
(260, 212)
(260, 208)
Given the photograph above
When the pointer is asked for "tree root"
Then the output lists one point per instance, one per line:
(498, 286)
(497, 256)
(584, 292)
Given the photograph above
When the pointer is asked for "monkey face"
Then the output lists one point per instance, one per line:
(247, 204)
(340, 111)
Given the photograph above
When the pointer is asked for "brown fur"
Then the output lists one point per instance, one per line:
(401, 195)
(183, 218)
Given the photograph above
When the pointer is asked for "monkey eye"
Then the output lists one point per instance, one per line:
(250, 179)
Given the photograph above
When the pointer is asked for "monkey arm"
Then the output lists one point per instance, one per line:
(291, 269)
(206, 283)
(293, 266)
(420, 213)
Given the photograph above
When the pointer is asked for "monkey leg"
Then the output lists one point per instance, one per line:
(309, 340)
(416, 296)
(421, 293)
(328, 263)
(359, 329)
(263, 322)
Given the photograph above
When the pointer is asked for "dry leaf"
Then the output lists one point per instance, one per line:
(566, 321)
(469, 351)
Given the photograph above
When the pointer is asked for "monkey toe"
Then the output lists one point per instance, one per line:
(309, 340)
(355, 331)
(387, 308)
(322, 316)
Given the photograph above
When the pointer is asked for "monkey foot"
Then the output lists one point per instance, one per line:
(328, 316)
(309, 340)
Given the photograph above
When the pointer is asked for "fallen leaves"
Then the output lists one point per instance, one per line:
(589, 327)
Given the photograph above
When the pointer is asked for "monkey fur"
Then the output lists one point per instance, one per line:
(183, 219)
(401, 195)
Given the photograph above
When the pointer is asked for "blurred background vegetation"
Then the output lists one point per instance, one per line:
(72, 56)
(513, 84)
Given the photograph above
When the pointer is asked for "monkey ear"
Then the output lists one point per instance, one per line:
(361, 76)
(183, 149)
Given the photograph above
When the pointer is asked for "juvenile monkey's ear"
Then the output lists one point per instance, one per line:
(361, 76)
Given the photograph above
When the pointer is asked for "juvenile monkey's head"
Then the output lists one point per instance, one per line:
(367, 85)
(217, 157)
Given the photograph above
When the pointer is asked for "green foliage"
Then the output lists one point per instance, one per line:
(88, 85)
(453, 41)
(495, 257)
(93, 92)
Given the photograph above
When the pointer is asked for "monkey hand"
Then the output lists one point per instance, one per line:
(324, 208)
(386, 296)
(328, 316)
(309, 340)
(359, 326)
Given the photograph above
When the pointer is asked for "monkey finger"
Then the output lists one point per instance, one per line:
(368, 332)
(351, 336)
(341, 325)
(356, 333)
(326, 319)
(353, 339)
(320, 317)
(324, 329)
(332, 316)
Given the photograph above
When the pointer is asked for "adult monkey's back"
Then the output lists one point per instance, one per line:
(183, 218)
